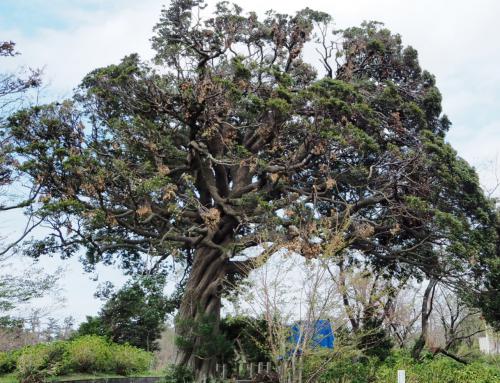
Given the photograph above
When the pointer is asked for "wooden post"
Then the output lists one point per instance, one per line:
(251, 370)
(268, 367)
(401, 376)
(260, 367)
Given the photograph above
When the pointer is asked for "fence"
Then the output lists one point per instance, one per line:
(246, 372)
(242, 372)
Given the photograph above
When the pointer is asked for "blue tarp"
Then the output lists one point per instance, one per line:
(322, 334)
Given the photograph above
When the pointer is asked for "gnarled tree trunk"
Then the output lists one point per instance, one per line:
(201, 301)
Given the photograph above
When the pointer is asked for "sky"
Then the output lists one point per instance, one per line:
(457, 40)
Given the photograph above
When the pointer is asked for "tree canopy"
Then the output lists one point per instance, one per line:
(231, 142)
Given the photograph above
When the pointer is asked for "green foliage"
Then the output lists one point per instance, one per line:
(203, 156)
(9, 378)
(92, 326)
(127, 360)
(134, 314)
(86, 354)
(202, 336)
(439, 369)
(279, 105)
(240, 70)
(178, 374)
(374, 340)
(31, 365)
(247, 336)
(90, 353)
(358, 138)
(8, 361)
(38, 363)
(346, 367)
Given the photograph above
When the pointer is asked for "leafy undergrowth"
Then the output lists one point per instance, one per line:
(432, 369)
(13, 378)
(88, 355)
(440, 369)
(9, 378)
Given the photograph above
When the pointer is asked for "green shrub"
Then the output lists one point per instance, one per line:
(90, 353)
(8, 361)
(349, 366)
(479, 372)
(178, 374)
(37, 363)
(31, 365)
(439, 369)
(87, 354)
(128, 359)
(346, 367)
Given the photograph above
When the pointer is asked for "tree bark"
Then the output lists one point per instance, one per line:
(450, 355)
(427, 303)
(201, 300)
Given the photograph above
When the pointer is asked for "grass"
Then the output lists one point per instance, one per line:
(8, 378)
(12, 378)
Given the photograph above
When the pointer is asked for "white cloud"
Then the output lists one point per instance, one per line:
(95, 40)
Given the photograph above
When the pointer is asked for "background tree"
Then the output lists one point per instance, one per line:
(13, 95)
(231, 142)
(17, 290)
(247, 336)
(402, 319)
(368, 299)
(135, 314)
(281, 303)
(459, 322)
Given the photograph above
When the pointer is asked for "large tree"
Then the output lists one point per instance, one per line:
(232, 142)
(134, 314)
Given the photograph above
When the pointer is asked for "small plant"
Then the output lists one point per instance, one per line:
(32, 363)
(178, 374)
(8, 361)
(128, 359)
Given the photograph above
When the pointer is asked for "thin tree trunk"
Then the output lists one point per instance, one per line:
(345, 298)
(427, 302)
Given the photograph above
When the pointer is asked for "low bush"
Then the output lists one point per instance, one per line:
(37, 363)
(8, 361)
(32, 363)
(128, 359)
(87, 354)
(178, 374)
(90, 353)
(349, 368)
(439, 369)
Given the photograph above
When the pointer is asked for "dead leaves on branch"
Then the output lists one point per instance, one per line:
(144, 210)
(211, 217)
